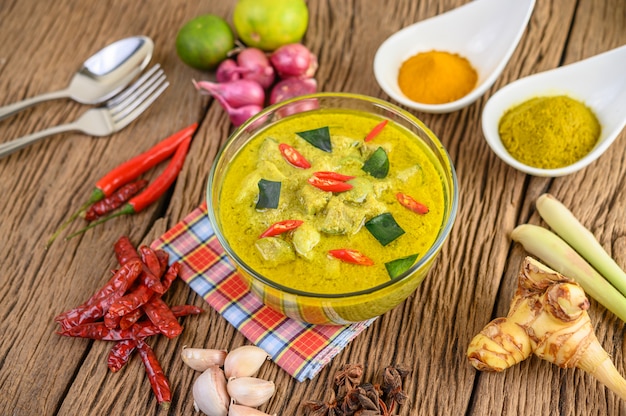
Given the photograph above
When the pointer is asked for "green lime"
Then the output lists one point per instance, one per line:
(204, 41)
(269, 24)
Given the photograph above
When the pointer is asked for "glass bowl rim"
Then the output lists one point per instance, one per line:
(432, 251)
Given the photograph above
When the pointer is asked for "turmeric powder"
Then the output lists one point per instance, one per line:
(436, 77)
(548, 317)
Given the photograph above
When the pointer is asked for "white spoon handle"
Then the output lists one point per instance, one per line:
(10, 109)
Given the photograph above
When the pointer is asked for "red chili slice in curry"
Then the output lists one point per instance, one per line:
(281, 227)
(294, 157)
(351, 256)
(333, 175)
(376, 130)
(329, 185)
(410, 203)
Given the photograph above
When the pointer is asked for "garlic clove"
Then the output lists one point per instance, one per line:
(210, 394)
(200, 358)
(244, 361)
(250, 391)
(239, 410)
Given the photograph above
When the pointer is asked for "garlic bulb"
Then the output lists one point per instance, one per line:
(200, 359)
(210, 394)
(239, 410)
(250, 391)
(244, 361)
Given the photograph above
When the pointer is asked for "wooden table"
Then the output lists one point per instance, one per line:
(42, 43)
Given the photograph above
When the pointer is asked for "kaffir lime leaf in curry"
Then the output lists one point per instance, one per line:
(204, 42)
(269, 24)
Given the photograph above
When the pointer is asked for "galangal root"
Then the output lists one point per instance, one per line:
(548, 317)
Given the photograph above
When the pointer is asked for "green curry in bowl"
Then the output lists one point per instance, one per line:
(335, 214)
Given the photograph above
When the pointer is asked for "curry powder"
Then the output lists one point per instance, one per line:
(549, 132)
(436, 77)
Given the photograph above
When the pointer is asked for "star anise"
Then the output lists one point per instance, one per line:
(392, 386)
(347, 378)
(315, 408)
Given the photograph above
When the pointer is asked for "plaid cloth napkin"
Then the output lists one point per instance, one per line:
(300, 349)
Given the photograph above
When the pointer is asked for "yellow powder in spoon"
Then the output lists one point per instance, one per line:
(549, 132)
(436, 77)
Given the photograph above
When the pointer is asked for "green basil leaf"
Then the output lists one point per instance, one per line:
(384, 228)
(398, 266)
(269, 194)
(319, 138)
(378, 164)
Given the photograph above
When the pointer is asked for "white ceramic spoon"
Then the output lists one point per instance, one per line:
(486, 32)
(599, 82)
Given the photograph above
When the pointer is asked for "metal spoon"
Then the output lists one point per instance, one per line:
(101, 76)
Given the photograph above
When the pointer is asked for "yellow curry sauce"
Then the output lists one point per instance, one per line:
(330, 220)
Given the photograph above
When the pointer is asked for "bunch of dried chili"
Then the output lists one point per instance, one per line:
(116, 188)
(129, 308)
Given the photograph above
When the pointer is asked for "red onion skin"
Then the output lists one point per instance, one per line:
(237, 93)
(292, 87)
(254, 65)
(240, 115)
(227, 70)
(292, 60)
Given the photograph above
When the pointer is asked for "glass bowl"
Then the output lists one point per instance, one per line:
(347, 307)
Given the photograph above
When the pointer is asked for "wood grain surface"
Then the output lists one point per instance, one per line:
(43, 42)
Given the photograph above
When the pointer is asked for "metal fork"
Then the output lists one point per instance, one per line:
(116, 114)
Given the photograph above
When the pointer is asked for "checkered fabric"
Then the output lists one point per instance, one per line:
(300, 349)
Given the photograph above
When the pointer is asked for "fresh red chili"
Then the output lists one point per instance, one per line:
(281, 227)
(152, 193)
(294, 157)
(158, 379)
(410, 203)
(333, 175)
(162, 317)
(115, 200)
(351, 256)
(129, 171)
(134, 167)
(329, 185)
(376, 130)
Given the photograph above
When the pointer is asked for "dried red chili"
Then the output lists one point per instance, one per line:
(120, 353)
(125, 251)
(281, 227)
(329, 185)
(152, 193)
(114, 201)
(351, 256)
(294, 157)
(97, 305)
(162, 317)
(131, 301)
(158, 379)
(410, 203)
(170, 275)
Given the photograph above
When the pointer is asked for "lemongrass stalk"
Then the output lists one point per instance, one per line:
(558, 255)
(565, 224)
